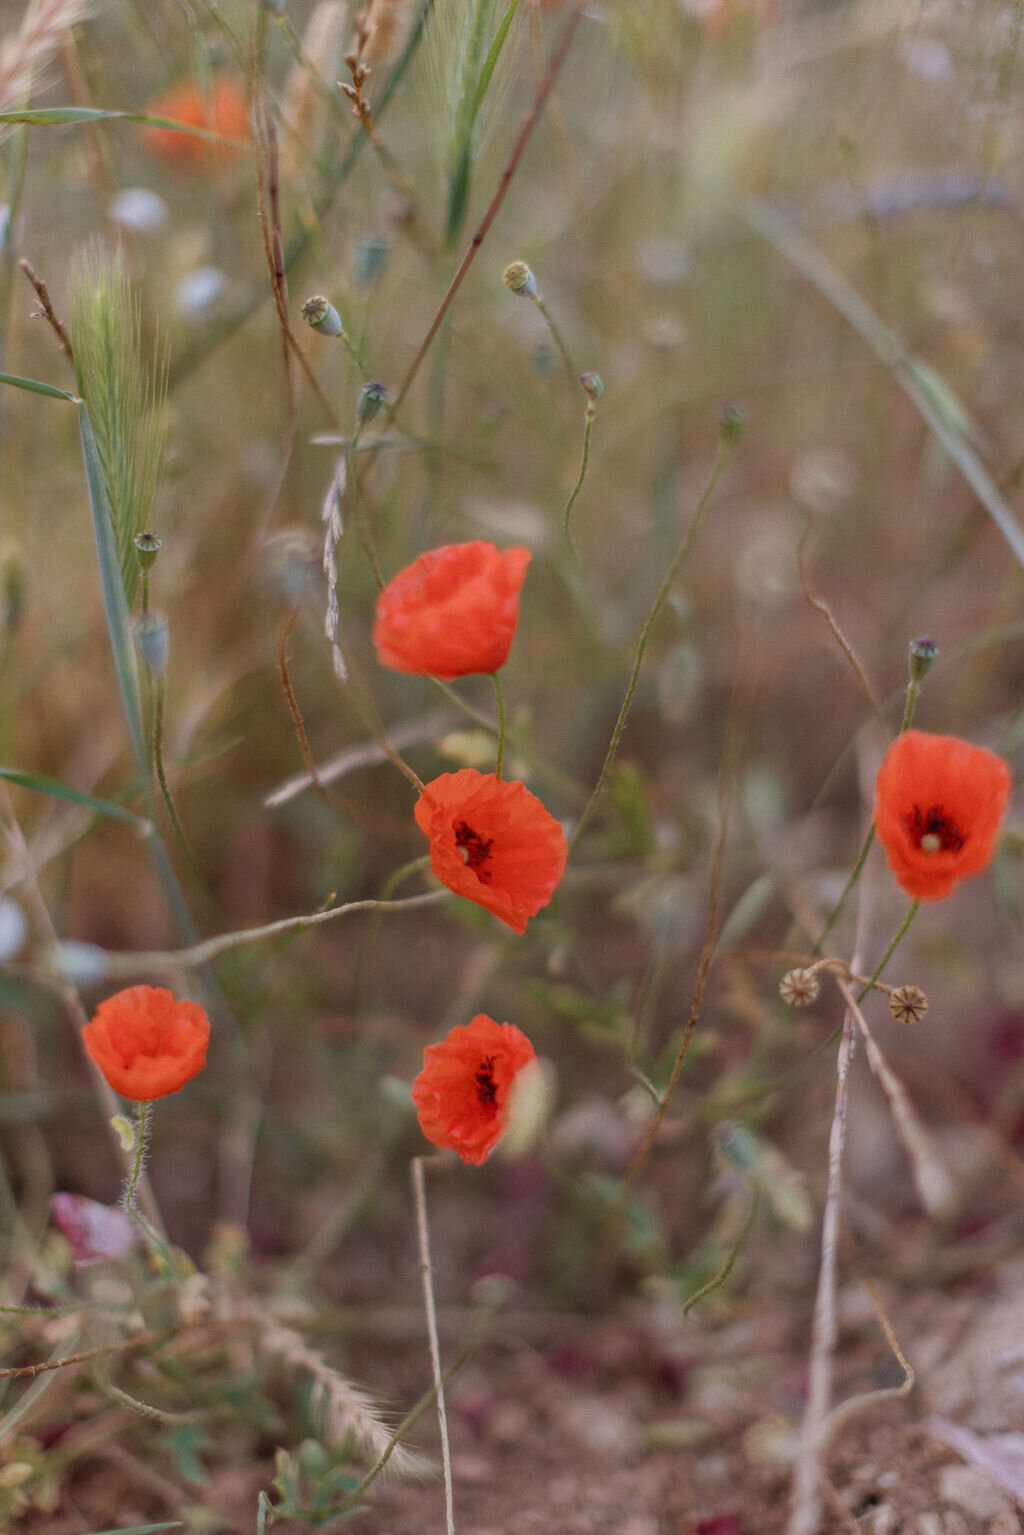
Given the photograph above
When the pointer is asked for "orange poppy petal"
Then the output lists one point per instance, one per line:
(938, 805)
(493, 842)
(462, 1093)
(452, 612)
(146, 1042)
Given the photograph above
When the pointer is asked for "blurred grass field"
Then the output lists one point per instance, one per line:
(809, 213)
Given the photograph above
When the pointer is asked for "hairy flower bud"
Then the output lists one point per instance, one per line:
(518, 278)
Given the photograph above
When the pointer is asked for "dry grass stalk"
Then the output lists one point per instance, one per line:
(24, 57)
(934, 1186)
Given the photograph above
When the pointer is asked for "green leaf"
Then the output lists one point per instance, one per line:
(58, 790)
(36, 387)
(114, 601)
(52, 117)
(492, 57)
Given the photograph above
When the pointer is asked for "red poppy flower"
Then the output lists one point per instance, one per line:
(462, 1092)
(146, 1042)
(938, 804)
(225, 110)
(451, 612)
(493, 842)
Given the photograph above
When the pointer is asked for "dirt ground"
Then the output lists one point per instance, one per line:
(643, 1423)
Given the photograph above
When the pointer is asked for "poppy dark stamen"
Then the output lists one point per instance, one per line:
(486, 1087)
(933, 829)
(476, 850)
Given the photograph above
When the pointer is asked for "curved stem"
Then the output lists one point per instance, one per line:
(724, 453)
(890, 951)
(559, 339)
(588, 424)
(499, 760)
(913, 693)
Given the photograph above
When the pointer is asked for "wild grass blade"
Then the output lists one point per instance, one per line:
(36, 387)
(58, 790)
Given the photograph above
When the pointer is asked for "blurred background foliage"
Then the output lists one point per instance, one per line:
(705, 179)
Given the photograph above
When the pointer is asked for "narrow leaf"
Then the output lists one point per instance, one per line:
(59, 790)
(492, 58)
(114, 601)
(53, 117)
(36, 387)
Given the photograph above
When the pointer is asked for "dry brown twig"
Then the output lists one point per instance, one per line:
(46, 311)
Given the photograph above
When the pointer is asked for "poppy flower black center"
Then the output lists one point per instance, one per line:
(486, 1089)
(476, 850)
(933, 829)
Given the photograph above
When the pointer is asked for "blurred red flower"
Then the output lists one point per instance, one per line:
(462, 1093)
(225, 110)
(938, 804)
(493, 842)
(146, 1042)
(451, 612)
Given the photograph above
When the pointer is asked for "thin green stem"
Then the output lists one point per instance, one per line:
(499, 691)
(467, 708)
(734, 1252)
(726, 447)
(362, 522)
(557, 336)
(890, 951)
(588, 423)
(145, 592)
(909, 708)
(159, 691)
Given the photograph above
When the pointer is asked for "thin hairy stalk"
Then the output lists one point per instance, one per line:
(129, 1199)
(293, 706)
(554, 69)
(427, 1276)
(823, 608)
(890, 351)
(556, 336)
(734, 1252)
(499, 693)
(588, 426)
(723, 454)
(127, 962)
